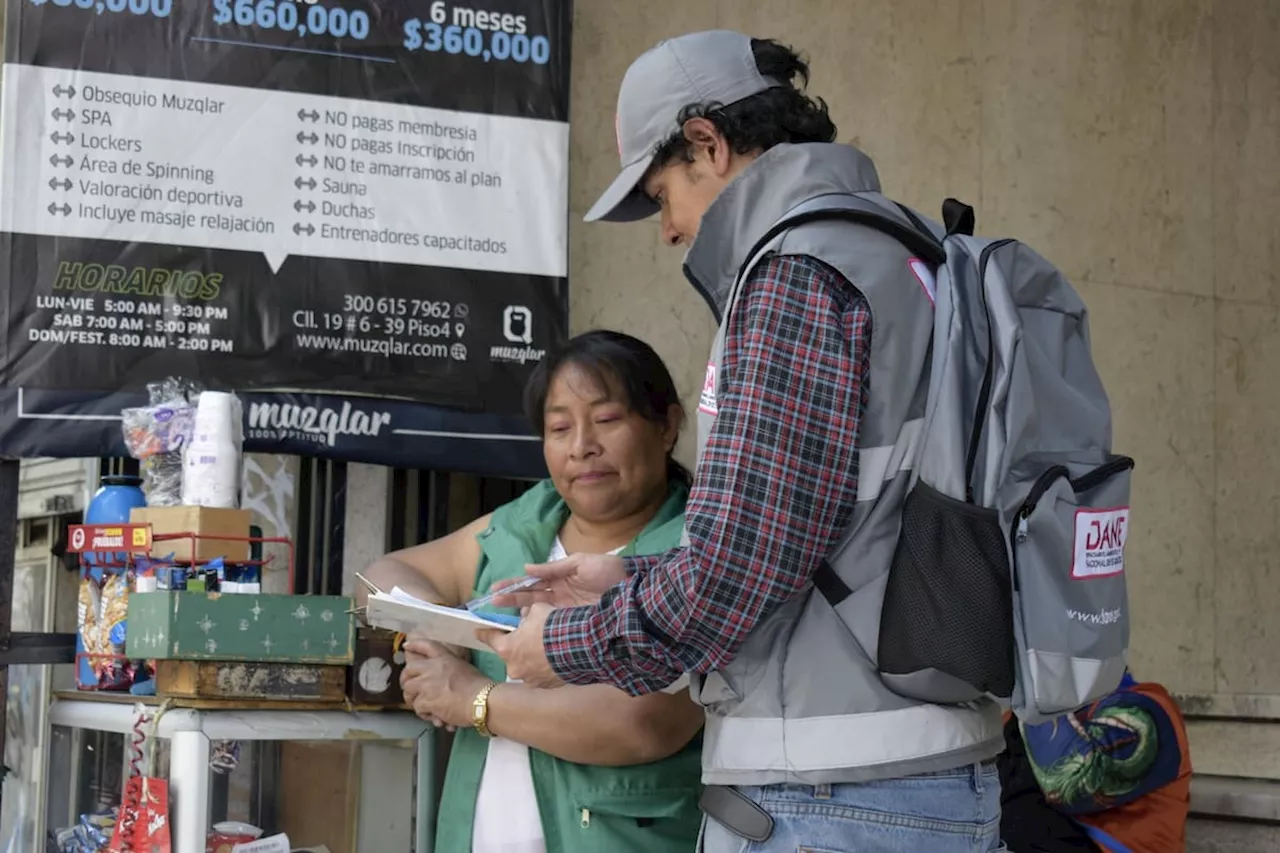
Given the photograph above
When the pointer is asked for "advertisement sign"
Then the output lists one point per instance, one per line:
(347, 197)
(82, 538)
(353, 429)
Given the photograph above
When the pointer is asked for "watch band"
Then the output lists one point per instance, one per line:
(480, 710)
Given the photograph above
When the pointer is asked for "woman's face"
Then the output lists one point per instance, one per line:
(606, 460)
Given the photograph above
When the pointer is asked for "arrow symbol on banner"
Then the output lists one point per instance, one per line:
(54, 184)
(66, 115)
(69, 91)
(309, 207)
(309, 183)
(303, 229)
(307, 161)
(310, 139)
(67, 138)
(308, 116)
(65, 210)
(55, 160)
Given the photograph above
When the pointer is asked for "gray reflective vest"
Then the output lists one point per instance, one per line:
(803, 701)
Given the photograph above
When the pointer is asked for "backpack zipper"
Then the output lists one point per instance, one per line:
(1018, 533)
(988, 373)
(586, 819)
(1099, 475)
(1083, 483)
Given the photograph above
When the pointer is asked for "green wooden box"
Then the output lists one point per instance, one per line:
(179, 625)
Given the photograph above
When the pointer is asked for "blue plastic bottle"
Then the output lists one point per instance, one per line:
(117, 495)
(111, 504)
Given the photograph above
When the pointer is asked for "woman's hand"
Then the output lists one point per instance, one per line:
(413, 641)
(439, 686)
(576, 580)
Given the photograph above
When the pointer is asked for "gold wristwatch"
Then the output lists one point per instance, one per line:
(480, 710)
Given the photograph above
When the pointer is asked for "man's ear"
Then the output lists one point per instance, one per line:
(708, 144)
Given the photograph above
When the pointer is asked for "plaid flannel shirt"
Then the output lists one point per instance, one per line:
(775, 487)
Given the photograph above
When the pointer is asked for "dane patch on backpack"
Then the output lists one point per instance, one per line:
(1099, 542)
(707, 402)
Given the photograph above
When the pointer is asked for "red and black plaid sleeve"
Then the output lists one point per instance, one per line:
(774, 489)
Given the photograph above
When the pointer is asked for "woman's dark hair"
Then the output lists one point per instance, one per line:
(616, 361)
(779, 114)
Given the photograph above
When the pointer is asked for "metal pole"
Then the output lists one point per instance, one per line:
(189, 789)
(9, 473)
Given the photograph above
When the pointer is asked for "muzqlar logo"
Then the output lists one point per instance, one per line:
(517, 327)
(517, 324)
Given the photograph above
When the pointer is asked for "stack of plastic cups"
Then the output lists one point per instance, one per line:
(211, 462)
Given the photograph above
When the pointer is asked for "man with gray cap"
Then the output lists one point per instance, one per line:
(808, 421)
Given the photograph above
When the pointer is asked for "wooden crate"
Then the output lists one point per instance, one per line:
(298, 682)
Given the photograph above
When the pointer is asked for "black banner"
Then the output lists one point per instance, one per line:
(347, 196)
(355, 429)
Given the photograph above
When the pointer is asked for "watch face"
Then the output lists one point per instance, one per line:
(374, 675)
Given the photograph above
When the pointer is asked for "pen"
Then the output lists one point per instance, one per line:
(527, 583)
(500, 619)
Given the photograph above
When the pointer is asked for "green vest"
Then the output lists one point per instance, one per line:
(584, 809)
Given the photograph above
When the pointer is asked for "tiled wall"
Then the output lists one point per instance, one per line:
(1135, 143)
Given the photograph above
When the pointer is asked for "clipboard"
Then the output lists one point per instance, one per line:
(408, 615)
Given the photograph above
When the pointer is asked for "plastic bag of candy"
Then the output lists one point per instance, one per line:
(102, 626)
(156, 434)
(225, 757)
(144, 818)
(92, 834)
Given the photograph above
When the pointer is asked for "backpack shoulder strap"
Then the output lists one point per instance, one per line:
(911, 231)
(858, 210)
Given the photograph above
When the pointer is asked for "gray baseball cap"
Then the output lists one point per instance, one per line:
(713, 66)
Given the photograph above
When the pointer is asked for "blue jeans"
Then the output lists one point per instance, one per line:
(955, 811)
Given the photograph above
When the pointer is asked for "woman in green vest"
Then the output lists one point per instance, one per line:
(579, 769)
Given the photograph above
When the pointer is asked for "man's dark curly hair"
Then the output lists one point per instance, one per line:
(779, 114)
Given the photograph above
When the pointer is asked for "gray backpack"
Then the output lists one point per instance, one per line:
(1008, 577)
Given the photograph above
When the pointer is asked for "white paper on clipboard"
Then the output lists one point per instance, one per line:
(401, 611)
(443, 624)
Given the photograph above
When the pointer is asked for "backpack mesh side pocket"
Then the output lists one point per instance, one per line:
(946, 626)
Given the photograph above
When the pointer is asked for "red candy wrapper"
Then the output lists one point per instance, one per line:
(143, 826)
(219, 842)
